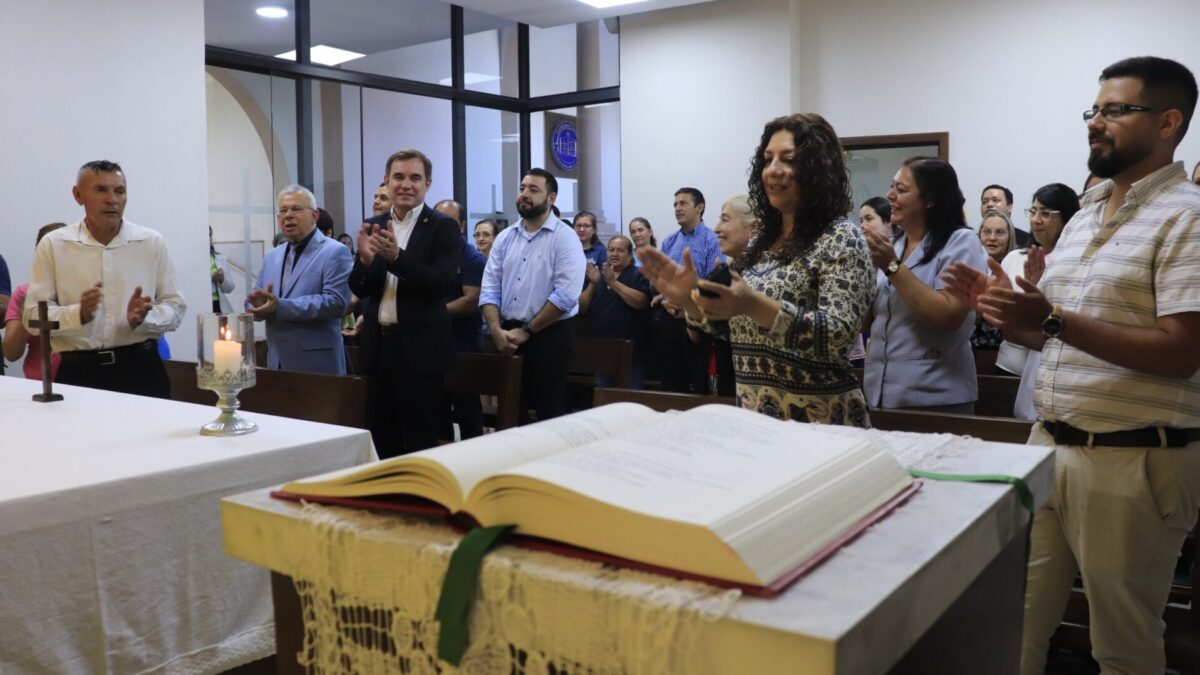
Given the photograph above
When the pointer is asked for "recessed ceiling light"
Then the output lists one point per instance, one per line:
(271, 12)
(603, 4)
(324, 55)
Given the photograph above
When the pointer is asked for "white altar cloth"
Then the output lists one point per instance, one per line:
(111, 558)
(859, 612)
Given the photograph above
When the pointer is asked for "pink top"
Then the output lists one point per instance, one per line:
(33, 357)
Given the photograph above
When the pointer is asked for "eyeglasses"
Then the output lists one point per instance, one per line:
(1114, 111)
(1046, 214)
(292, 209)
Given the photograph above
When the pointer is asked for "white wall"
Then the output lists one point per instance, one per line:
(394, 121)
(110, 80)
(1007, 80)
(697, 83)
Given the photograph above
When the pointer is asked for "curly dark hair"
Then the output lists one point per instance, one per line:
(819, 166)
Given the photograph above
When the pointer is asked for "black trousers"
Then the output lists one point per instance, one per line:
(133, 369)
(545, 360)
(402, 404)
(682, 365)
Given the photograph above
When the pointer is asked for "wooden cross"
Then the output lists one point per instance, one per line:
(44, 326)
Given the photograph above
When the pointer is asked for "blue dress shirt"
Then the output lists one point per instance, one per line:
(703, 244)
(524, 270)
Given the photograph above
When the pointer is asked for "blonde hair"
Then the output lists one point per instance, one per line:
(1012, 231)
(740, 204)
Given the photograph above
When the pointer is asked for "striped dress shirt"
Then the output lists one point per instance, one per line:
(1142, 264)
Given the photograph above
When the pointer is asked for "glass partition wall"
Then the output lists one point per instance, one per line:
(321, 96)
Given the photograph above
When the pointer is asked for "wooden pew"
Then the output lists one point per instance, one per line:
(597, 356)
(997, 429)
(602, 356)
(985, 361)
(997, 394)
(493, 374)
(656, 400)
(1003, 430)
(332, 399)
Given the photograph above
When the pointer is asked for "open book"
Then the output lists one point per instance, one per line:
(716, 492)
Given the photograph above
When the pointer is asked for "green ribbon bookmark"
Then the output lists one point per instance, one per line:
(458, 589)
(1023, 491)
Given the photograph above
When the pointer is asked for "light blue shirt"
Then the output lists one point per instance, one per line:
(525, 270)
(909, 364)
(703, 244)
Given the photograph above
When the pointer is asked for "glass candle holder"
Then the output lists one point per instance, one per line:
(225, 364)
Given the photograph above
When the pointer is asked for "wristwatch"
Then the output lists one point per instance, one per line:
(527, 327)
(891, 268)
(1052, 326)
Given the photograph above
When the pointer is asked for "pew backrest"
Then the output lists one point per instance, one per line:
(603, 356)
(999, 429)
(496, 375)
(316, 397)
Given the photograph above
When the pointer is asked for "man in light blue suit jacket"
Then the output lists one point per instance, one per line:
(311, 272)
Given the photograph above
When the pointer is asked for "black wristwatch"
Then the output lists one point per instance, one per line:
(528, 327)
(891, 268)
(1052, 326)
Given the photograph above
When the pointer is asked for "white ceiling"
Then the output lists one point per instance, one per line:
(547, 13)
(369, 26)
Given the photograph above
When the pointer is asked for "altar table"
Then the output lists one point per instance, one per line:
(936, 587)
(110, 537)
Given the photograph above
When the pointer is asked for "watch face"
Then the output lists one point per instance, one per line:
(1052, 326)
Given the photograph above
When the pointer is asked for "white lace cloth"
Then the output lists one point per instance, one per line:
(369, 586)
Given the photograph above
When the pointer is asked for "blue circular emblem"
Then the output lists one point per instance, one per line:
(564, 145)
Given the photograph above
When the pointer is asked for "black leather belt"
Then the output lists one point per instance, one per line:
(1146, 437)
(108, 357)
(510, 324)
(389, 329)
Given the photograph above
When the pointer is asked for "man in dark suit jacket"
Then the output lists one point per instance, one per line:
(403, 274)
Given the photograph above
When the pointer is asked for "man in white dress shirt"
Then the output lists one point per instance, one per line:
(110, 285)
(403, 274)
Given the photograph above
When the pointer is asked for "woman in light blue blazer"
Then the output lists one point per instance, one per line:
(920, 354)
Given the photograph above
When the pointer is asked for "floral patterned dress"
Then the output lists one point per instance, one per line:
(799, 369)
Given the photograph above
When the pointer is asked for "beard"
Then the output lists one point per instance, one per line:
(1114, 161)
(533, 211)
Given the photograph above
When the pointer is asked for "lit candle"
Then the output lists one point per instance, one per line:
(227, 354)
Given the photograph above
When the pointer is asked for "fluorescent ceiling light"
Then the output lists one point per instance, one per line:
(604, 4)
(271, 12)
(470, 78)
(324, 55)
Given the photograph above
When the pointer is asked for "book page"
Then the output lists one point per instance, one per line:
(474, 459)
(707, 464)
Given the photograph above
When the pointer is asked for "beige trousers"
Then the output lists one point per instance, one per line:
(1118, 516)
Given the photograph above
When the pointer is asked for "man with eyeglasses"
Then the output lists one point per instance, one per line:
(302, 291)
(1117, 320)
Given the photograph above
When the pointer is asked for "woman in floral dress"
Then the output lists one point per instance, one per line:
(805, 284)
